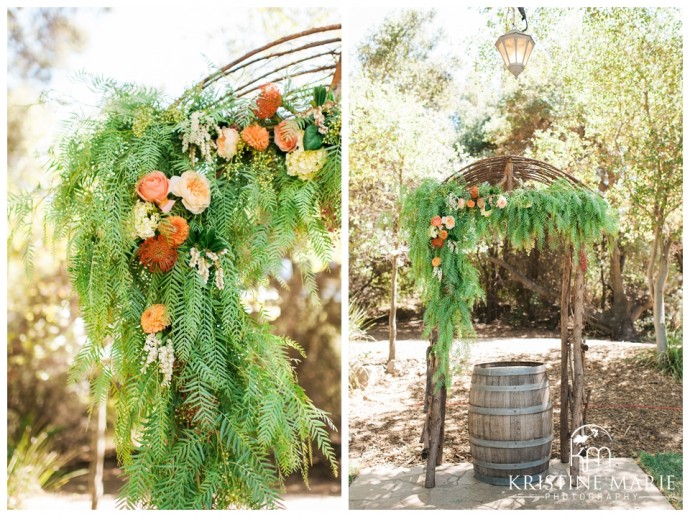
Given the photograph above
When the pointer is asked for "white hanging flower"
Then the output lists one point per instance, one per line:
(202, 263)
(452, 201)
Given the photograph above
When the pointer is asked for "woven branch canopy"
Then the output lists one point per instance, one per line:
(312, 55)
(505, 171)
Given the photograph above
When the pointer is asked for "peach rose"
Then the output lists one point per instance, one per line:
(227, 142)
(154, 187)
(449, 221)
(443, 234)
(436, 220)
(461, 203)
(436, 261)
(286, 134)
(502, 202)
(481, 203)
(194, 189)
(470, 203)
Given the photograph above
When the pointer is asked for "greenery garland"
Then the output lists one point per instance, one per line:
(444, 221)
(171, 214)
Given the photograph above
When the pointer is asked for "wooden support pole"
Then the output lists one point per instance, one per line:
(578, 364)
(565, 312)
(435, 417)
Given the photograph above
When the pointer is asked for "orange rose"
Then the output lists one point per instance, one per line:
(436, 261)
(154, 187)
(474, 192)
(286, 134)
(436, 220)
(437, 242)
(470, 203)
(443, 234)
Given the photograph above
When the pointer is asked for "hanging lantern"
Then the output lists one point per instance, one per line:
(515, 47)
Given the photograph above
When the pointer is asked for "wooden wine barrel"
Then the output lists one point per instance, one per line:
(510, 421)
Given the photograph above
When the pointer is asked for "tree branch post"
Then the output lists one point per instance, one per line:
(578, 363)
(435, 417)
(565, 347)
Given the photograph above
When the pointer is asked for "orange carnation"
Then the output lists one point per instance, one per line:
(436, 220)
(175, 230)
(269, 101)
(157, 255)
(436, 261)
(437, 242)
(470, 203)
(154, 319)
(443, 234)
(474, 192)
(256, 137)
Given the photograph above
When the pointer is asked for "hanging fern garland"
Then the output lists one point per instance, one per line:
(171, 214)
(444, 221)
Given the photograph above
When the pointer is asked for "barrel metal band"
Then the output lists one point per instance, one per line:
(508, 411)
(509, 370)
(521, 444)
(511, 466)
(520, 387)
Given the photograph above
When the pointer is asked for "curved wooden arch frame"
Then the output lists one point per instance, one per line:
(508, 172)
(302, 46)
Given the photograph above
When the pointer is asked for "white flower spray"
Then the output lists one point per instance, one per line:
(197, 132)
(164, 354)
(203, 261)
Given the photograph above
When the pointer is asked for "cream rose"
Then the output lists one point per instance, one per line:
(227, 142)
(194, 189)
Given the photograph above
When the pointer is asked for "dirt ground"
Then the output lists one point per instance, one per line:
(640, 407)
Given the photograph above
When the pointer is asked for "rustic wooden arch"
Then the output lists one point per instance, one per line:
(509, 172)
(314, 54)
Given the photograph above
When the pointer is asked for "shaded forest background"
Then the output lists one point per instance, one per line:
(601, 98)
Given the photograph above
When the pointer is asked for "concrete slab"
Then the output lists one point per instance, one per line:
(620, 485)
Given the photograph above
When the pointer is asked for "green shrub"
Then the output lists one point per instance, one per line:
(34, 466)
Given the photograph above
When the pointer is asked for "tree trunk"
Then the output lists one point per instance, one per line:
(659, 307)
(392, 320)
(97, 454)
(622, 322)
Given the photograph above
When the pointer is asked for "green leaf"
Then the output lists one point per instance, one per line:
(313, 140)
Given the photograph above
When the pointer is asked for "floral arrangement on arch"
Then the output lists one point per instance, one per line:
(174, 212)
(446, 221)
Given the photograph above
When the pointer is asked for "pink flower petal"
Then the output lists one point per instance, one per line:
(167, 205)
